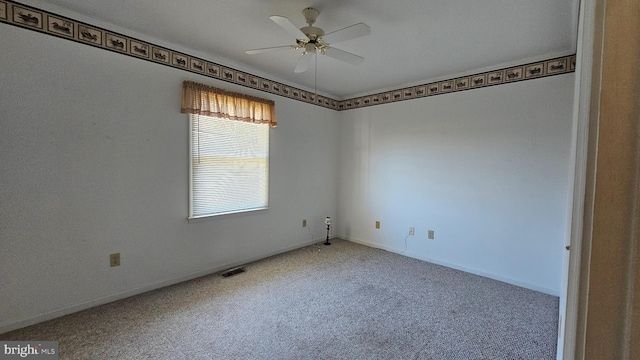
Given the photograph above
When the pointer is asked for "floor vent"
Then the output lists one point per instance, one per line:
(231, 272)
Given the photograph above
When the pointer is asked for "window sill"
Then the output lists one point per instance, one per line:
(226, 215)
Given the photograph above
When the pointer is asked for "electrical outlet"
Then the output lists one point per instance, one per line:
(114, 259)
(431, 235)
(304, 222)
(377, 224)
(412, 231)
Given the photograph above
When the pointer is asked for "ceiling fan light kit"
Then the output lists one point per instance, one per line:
(314, 40)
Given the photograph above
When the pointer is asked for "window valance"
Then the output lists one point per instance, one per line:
(210, 101)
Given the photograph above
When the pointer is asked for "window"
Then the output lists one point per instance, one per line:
(229, 150)
(229, 166)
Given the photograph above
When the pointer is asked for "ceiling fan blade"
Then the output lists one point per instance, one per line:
(342, 55)
(290, 27)
(303, 62)
(269, 49)
(348, 33)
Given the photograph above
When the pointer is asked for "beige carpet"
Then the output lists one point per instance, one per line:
(344, 301)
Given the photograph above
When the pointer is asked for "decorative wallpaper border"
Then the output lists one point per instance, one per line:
(529, 71)
(42, 21)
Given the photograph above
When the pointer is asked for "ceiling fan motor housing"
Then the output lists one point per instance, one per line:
(312, 32)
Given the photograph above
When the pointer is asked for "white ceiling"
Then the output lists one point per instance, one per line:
(411, 41)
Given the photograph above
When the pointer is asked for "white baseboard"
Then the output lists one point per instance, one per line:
(49, 315)
(554, 292)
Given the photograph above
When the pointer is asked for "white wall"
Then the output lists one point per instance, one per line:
(94, 160)
(486, 169)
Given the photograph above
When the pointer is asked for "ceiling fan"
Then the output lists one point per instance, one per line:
(314, 40)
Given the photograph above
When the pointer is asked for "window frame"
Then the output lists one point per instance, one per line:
(198, 218)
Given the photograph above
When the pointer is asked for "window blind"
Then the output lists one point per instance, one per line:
(229, 166)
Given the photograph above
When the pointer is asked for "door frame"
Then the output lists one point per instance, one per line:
(603, 296)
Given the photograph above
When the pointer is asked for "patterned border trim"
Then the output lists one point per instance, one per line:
(529, 71)
(38, 20)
